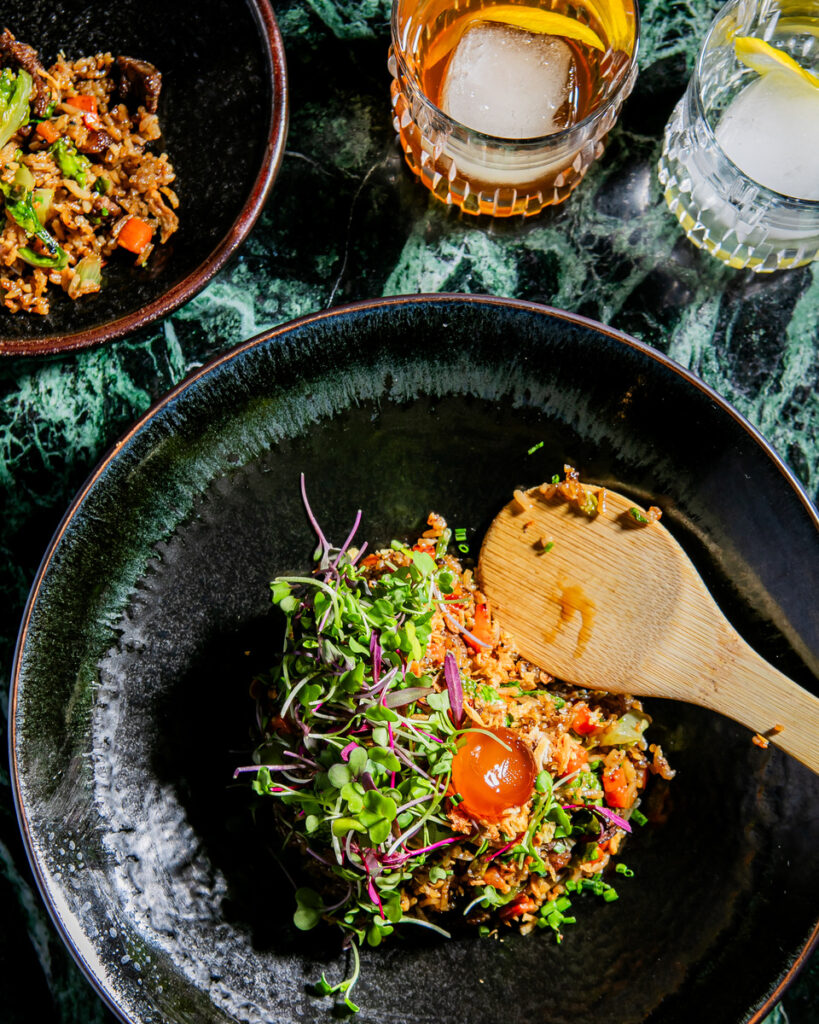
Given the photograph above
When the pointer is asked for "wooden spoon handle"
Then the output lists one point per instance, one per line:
(745, 687)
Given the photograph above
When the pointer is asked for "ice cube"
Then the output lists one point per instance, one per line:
(771, 132)
(506, 82)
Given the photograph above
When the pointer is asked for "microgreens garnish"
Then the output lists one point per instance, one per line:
(361, 740)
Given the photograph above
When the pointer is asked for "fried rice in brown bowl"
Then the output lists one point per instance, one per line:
(129, 172)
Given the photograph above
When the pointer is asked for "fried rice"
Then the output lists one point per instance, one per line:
(374, 724)
(87, 168)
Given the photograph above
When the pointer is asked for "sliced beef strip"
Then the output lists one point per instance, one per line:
(14, 54)
(104, 203)
(96, 141)
(138, 83)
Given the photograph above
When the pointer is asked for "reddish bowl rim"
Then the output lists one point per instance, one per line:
(189, 286)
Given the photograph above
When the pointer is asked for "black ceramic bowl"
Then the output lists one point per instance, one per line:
(151, 612)
(223, 114)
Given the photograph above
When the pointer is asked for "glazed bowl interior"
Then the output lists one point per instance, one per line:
(151, 614)
(223, 115)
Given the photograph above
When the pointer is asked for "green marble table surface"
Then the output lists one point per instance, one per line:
(612, 252)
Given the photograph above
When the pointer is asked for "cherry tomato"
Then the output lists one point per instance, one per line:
(491, 778)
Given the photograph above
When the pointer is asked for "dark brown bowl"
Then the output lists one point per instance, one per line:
(151, 613)
(223, 113)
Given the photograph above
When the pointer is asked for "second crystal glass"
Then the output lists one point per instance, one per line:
(741, 151)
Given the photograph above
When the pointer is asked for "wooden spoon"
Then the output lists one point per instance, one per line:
(610, 603)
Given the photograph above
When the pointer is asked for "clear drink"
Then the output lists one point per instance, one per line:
(502, 107)
(740, 160)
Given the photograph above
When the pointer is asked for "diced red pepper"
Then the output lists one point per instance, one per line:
(87, 103)
(522, 905)
(582, 721)
(616, 787)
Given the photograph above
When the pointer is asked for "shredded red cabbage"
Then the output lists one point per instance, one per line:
(375, 651)
(604, 812)
(453, 685)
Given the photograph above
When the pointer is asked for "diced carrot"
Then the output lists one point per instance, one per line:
(578, 757)
(47, 131)
(494, 878)
(87, 103)
(135, 235)
(582, 721)
(616, 787)
(481, 629)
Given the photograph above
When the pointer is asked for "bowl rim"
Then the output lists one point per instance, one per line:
(170, 300)
(441, 299)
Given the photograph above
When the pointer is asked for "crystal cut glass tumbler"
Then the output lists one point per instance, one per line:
(765, 117)
(545, 82)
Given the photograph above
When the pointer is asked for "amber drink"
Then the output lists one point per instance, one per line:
(502, 107)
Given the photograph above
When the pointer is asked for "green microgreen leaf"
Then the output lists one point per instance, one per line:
(341, 826)
(378, 713)
(339, 775)
(309, 907)
(384, 757)
(357, 760)
(438, 701)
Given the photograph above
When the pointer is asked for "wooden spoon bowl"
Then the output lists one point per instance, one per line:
(608, 600)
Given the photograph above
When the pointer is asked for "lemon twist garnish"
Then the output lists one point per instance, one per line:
(763, 58)
(533, 19)
(530, 19)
